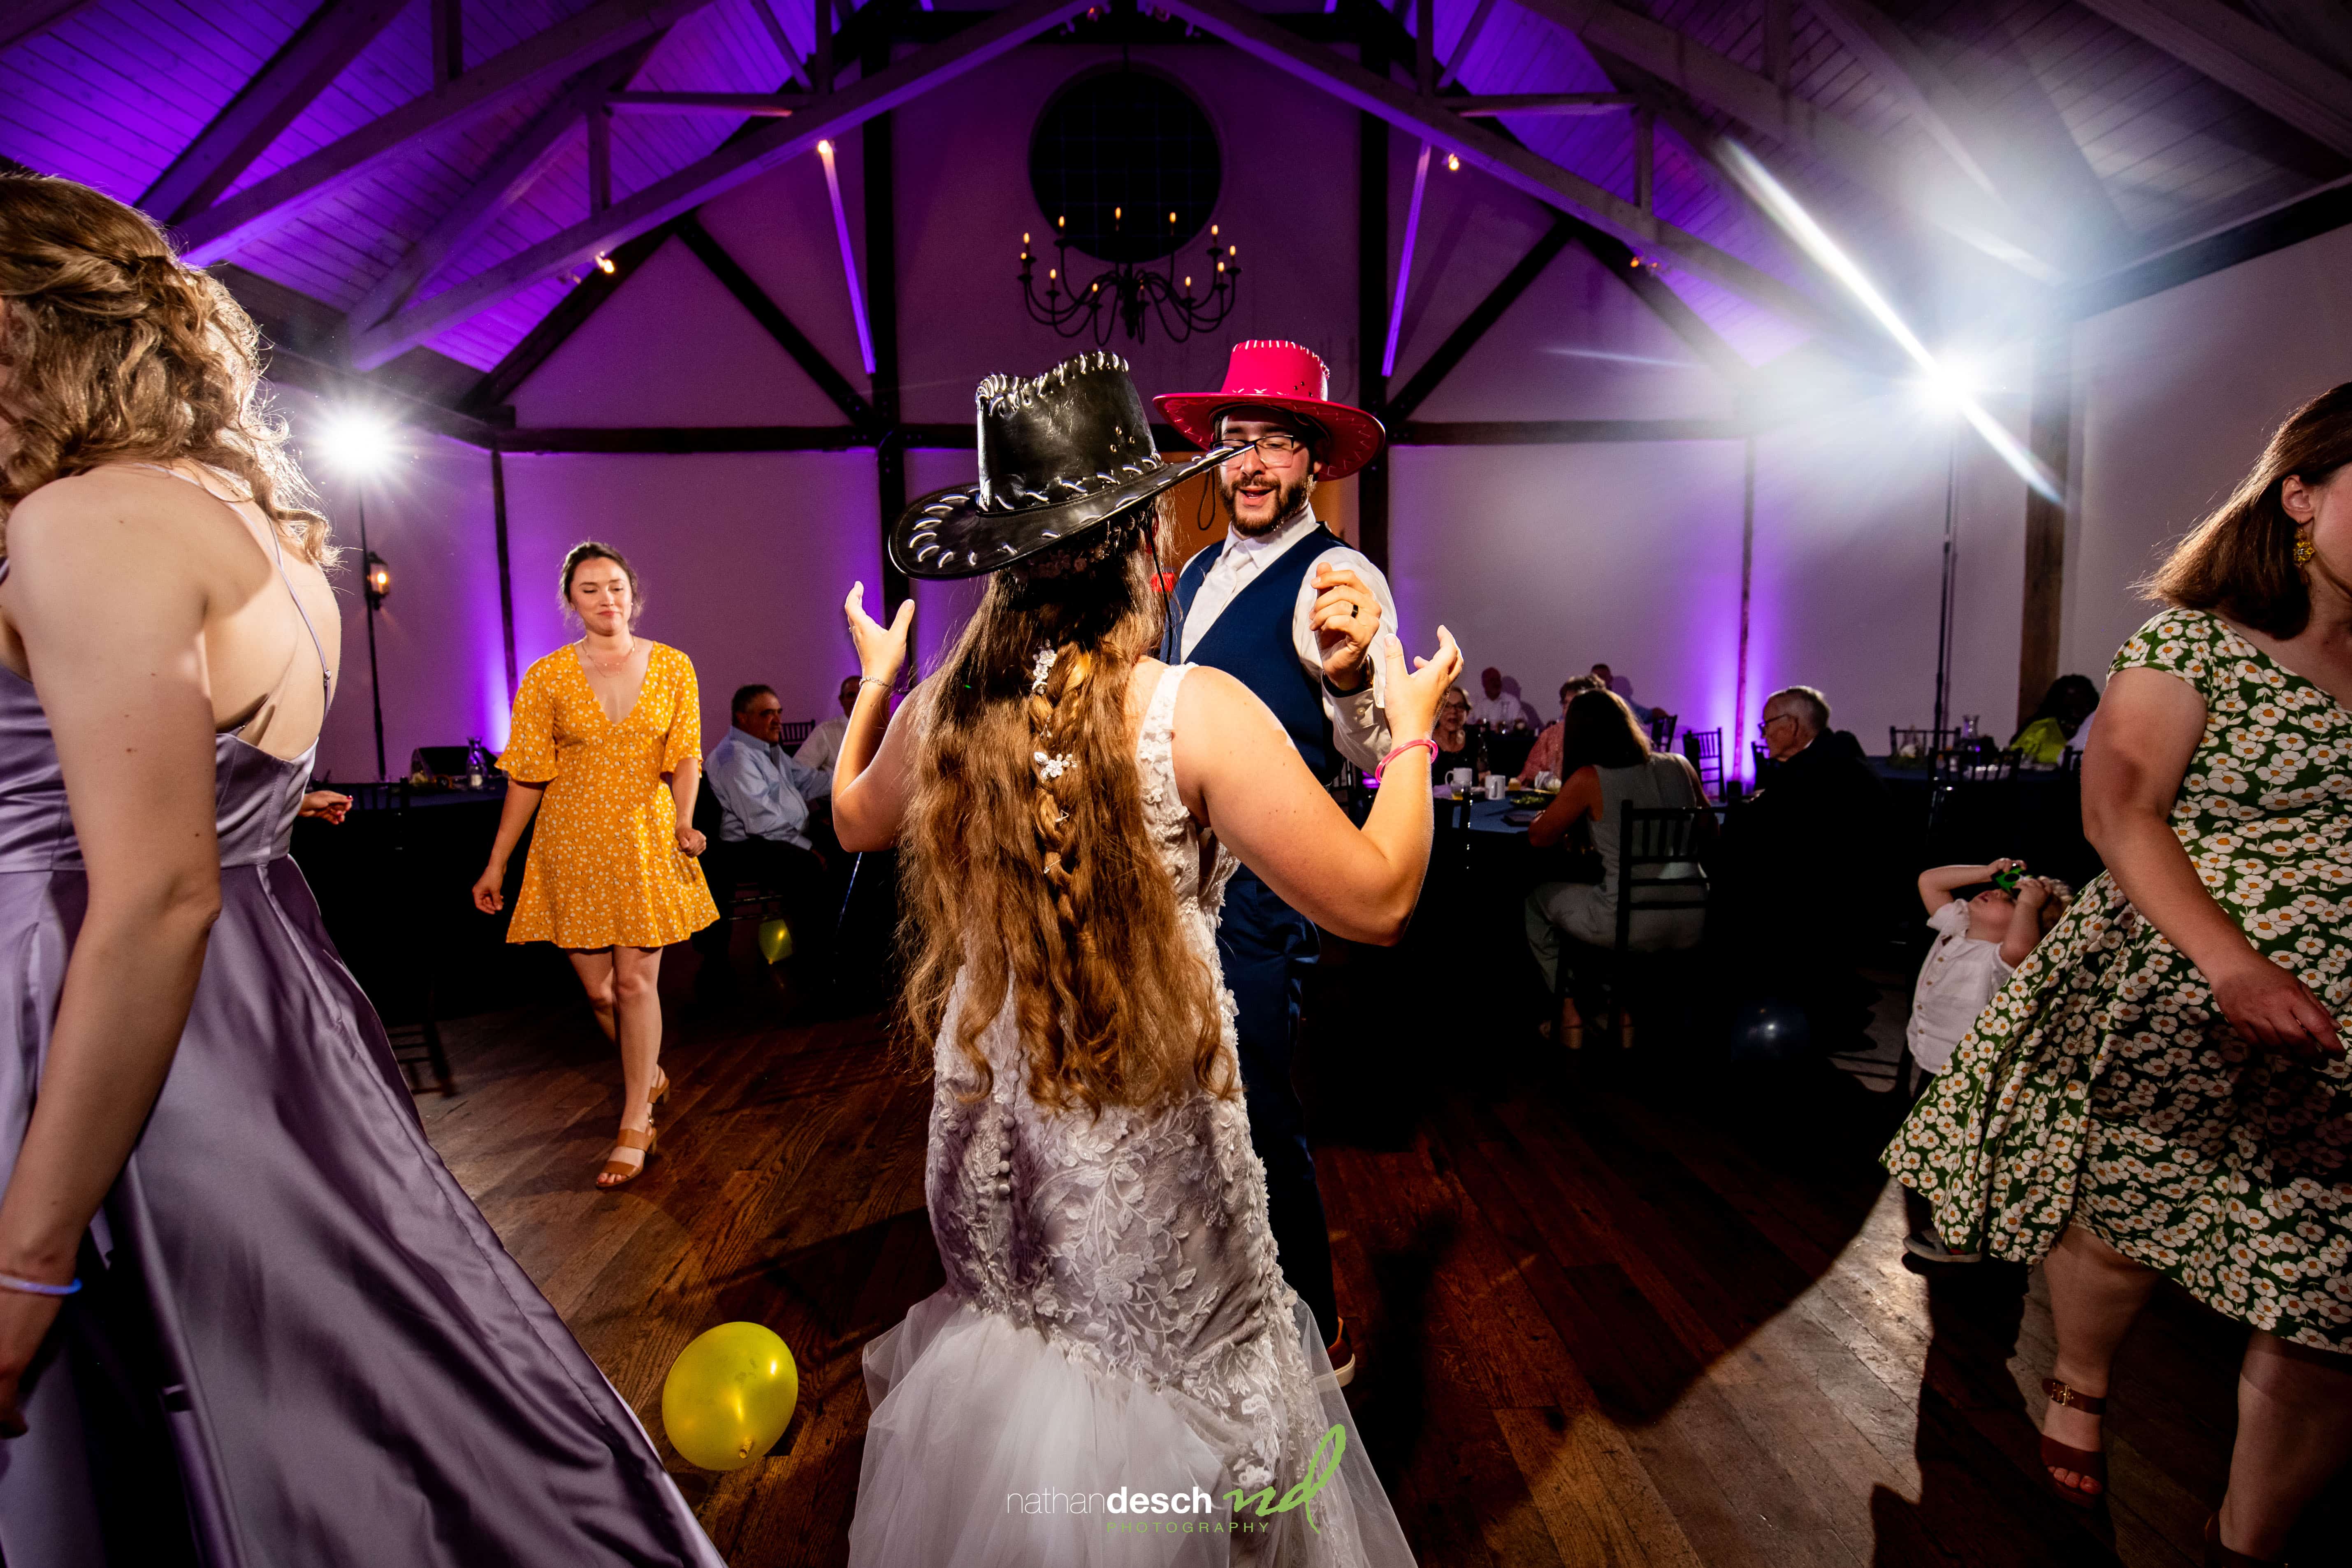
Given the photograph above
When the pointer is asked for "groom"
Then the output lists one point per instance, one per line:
(1291, 612)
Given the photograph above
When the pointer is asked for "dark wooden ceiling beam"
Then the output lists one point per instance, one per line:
(1483, 316)
(567, 46)
(771, 316)
(1959, 207)
(1547, 182)
(28, 20)
(499, 383)
(280, 91)
(739, 159)
(2286, 82)
(510, 171)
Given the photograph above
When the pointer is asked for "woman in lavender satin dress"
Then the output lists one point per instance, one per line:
(291, 1338)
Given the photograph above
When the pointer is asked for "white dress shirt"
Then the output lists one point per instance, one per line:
(822, 747)
(1359, 726)
(1961, 976)
(762, 792)
(1500, 712)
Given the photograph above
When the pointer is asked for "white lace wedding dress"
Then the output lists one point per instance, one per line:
(1113, 1323)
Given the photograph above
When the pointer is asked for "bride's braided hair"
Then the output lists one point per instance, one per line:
(1028, 865)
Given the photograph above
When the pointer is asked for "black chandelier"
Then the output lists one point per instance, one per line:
(1130, 294)
(1113, 139)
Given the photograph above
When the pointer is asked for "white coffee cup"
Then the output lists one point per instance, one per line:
(1459, 778)
(1495, 783)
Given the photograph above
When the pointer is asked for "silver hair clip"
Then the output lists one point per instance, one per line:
(1038, 671)
(1050, 767)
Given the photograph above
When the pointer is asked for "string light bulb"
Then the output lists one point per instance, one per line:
(826, 148)
(1453, 162)
(603, 262)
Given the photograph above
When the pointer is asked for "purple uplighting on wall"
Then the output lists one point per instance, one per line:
(1405, 262)
(848, 256)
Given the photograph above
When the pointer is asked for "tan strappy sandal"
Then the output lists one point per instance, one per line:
(622, 1173)
(630, 1138)
(2091, 1464)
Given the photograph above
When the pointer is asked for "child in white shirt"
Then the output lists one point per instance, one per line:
(1979, 942)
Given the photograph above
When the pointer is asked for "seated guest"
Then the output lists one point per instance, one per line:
(1802, 878)
(1612, 681)
(2061, 724)
(824, 743)
(1609, 769)
(1452, 735)
(1544, 756)
(1499, 709)
(763, 796)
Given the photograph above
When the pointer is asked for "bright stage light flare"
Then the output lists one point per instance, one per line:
(1943, 382)
(358, 444)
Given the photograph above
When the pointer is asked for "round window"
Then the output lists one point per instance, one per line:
(1126, 165)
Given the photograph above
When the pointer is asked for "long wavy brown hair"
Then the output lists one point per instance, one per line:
(2240, 559)
(1040, 879)
(113, 351)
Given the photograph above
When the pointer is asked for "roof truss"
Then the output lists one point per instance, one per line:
(569, 45)
(2247, 59)
(740, 159)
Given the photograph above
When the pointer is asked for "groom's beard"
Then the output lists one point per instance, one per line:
(1289, 495)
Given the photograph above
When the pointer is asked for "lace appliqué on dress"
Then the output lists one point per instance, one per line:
(1136, 1241)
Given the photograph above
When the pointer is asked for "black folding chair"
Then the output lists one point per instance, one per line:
(1705, 749)
(1650, 840)
(1661, 729)
(796, 731)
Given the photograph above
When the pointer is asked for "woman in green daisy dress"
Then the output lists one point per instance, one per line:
(2162, 1089)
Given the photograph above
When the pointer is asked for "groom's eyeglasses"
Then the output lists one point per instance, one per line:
(1274, 444)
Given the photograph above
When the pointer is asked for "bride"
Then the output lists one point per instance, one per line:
(1115, 1370)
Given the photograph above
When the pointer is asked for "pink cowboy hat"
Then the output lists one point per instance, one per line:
(1268, 373)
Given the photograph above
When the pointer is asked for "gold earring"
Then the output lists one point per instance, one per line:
(2303, 551)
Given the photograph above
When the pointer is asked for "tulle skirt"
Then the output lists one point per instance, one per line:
(991, 1448)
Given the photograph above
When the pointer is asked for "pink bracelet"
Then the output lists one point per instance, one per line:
(1400, 751)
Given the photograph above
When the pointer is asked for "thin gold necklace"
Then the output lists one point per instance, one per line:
(602, 668)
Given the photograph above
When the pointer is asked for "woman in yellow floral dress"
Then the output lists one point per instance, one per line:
(601, 727)
(2162, 1090)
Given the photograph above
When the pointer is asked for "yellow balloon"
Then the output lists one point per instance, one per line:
(775, 941)
(729, 1395)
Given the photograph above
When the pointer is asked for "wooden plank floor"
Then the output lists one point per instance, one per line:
(1611, 1311)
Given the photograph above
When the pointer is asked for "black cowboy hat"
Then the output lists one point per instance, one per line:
(1058, 456)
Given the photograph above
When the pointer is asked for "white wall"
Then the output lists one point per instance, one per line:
(2175, 397)
(1546, 560)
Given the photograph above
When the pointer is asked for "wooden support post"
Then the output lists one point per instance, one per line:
(600, 158)
(1776, 42)
(449, 40)
(506, 566)
(882, 310)
(1424, 26)
(1372, 301)
(821, 61)
(2048, 436)
(1645, 156)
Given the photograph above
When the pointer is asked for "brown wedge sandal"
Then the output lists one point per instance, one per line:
(622, 1173)
(2219, 1556)
(2089, 1463)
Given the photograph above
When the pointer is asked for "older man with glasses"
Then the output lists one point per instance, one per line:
(1289, 610)
(1805, 876)
(765, 836)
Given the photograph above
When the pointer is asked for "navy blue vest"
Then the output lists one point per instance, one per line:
(1251, 642)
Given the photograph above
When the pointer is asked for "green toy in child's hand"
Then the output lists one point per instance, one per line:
(2007, 881)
